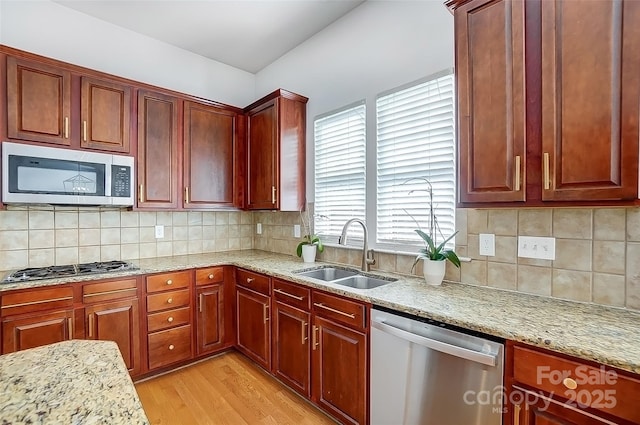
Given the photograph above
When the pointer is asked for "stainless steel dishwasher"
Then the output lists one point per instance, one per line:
(423, 373)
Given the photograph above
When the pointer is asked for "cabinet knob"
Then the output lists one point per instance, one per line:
(250, 279)
(211, 276)
(169, 282)
(170, 300)
(570, 383)
(171, 347)
(170, 319)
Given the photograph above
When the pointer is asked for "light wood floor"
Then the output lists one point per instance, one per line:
(227, 389)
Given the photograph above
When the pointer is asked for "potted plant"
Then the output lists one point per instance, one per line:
(434, 255)
(311, 243)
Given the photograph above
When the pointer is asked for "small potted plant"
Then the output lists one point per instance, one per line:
(434, 255)
(311, 243)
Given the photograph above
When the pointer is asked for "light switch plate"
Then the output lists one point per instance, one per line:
(259, 228)
(296, 230)
(159, 231)
(537, 247)
(487, 242)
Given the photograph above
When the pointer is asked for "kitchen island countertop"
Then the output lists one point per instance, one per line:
(602, 334)
(71, 382)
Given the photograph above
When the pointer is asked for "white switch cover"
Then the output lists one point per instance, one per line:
(259, 228)
(537, 247)
(296, 230)
(159, 231)
(487, 244)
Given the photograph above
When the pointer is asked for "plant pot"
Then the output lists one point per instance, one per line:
(309, 253)
(433, 271)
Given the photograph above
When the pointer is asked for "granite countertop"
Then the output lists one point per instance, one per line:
(603, 334)
(71, 382)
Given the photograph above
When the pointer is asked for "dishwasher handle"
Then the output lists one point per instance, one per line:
(443, 347)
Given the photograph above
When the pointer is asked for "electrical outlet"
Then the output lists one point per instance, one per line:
(159, 231)
(487, 244)
(259, 228)
(537, 247)
(296, 230)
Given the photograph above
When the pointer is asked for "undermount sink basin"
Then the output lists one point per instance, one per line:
(328, 273)
(363, 282)
(345, 277)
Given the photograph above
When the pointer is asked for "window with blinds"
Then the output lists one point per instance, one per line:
(340, 139)
(415, 155)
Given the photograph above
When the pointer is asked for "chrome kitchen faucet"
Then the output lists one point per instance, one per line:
(367, 254)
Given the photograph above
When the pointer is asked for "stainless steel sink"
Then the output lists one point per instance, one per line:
(363, 282)
(327, 273)
(346, 277)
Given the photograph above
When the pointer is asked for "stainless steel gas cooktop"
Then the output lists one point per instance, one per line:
(70, 270)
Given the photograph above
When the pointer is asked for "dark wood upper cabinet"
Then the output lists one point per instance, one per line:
(105, 115)
(491, 103)
(38, 102)
(158, 150)
(548, 101)
(276, 152)
(590, 99)
(210, 156)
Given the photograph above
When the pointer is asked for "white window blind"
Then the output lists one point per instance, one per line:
(339, 171)
(415, 152)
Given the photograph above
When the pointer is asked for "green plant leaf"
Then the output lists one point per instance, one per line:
(451, 256)
(445, 241)
(299, 248)
(431, 247)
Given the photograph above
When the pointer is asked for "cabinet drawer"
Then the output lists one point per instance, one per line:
(345, 311)
(168, 319)
(166, 281)
(292, 294)
(601, 388)
(209, 275)
(254, 281)
(166, 300)
(107, 291)
(36, 300)
(169, 346)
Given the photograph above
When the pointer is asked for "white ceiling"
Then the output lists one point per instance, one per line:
(246, 34)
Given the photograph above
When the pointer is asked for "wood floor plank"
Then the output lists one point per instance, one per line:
(229, 390)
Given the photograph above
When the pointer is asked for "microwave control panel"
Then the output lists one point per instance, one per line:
(120, 181)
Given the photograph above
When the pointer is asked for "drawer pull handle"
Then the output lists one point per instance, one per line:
(115, 291)
(211, 276)
(169, 282)
(314, 342)
(171, 347)
(570, 383)
(170, 300)
(50, 300)
(200, 299)
(70, 323)
(250, 279)
(321, 305)
(91, 325)
(170, 319)
(295, 297)
(516, 414)
(304, 328)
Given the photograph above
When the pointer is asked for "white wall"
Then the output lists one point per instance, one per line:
(380, 45)
(49, 29)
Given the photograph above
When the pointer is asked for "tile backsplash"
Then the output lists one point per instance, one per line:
(42, 236)
(597, 249)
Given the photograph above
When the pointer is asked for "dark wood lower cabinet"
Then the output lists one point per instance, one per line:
(291, 353)
(117, 321)
(23, 332)
(339, 367)
(253, 327)
(210, 319)
(541, 411)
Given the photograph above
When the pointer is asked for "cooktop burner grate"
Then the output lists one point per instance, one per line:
(51, 272)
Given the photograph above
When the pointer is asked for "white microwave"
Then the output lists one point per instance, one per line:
(42, 175)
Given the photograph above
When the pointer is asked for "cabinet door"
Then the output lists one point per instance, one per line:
(120, 322)
(590, 99)
(339, 367)
(33, 331)
(262, 163)
(209, 156)
(253, 328)
(210, 319)
(105, 115)
(490, 79)
(38, 102)
(291, 354)
(157, 150)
